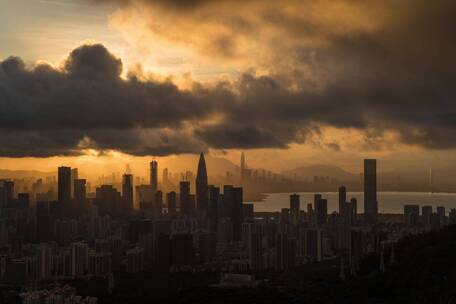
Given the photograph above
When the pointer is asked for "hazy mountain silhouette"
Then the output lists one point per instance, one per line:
(18, 174)
(308, 172)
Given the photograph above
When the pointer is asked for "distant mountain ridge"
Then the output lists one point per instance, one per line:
(308, 172)
(17, 174)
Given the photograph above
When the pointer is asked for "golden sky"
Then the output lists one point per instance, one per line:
(102, 83)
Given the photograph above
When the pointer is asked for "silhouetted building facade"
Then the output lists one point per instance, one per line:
(370, 191)
(154, 176)
(411, 214)
(185, 200)
(342, 199)
(127, 192)
(64, 187)
(295, 207)
(213, 211)
(201, 185)
(171, 199)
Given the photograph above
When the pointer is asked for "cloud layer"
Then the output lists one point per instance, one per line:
(344, 64)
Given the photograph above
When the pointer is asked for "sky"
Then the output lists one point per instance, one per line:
(95, 82)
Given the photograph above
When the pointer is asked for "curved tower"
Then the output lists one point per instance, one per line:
(201, 184)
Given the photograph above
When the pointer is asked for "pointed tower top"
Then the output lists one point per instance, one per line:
(202, 171)
(243, 164)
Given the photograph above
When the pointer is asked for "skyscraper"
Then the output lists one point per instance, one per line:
(411, 214)
(342, 199)
(354, 204)
(165, 180)
(236, 213)
(64, 186)
(80, 191)
(426, 213)
(171, 199)
(7, 192)
(256, 251)
(201, 184)
(154, 176)
(184, 198)
(127, 192)
(243, 166)
(214, 196)
(294, 207)
(321, 211)
(158, 206)
(441, 215)
(370, 191)
(74, 176)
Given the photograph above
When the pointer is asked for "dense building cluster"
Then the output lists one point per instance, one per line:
(200, 227)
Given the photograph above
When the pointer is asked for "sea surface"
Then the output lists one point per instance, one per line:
(388, 202)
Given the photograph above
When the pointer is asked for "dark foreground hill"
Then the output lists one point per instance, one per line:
(424, 271)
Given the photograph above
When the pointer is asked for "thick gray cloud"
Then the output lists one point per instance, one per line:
(396, 77)
(47, 111)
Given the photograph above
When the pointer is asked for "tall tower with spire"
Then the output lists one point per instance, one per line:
(243, 166)
(154, 176)
(201, 184)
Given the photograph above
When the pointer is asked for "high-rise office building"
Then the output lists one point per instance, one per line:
(256, 251)
(411, 214)
(310, 213)
(64, 187)
(452, 217)
(79, 259)
(127, 192)
(313, 244)
(184, 198)
(236, 213)
(7, 193)
(80, 190)
(441, 215)
(214, 195)
(23, 200)
(317, 197)
(74, 176)
(165, 180)
(354, 205)
(281, 251)
(201, 185)
(80, 196)
(342, 199)
(171, 199)
(426, 214)
(321, 211)
(226, 205)
(243, 166)
(154, 176)
(108, 200)
(158, 207)
(370, 191)
(295, 207)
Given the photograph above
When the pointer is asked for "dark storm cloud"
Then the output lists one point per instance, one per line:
(47, 111)
(88, 93)
(398, 77)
